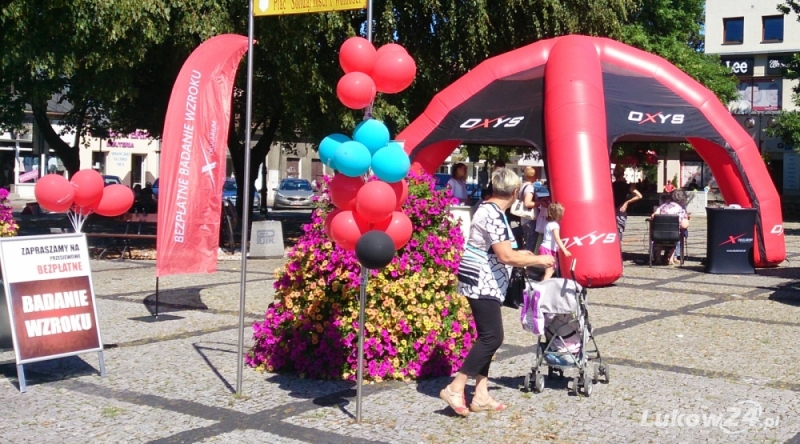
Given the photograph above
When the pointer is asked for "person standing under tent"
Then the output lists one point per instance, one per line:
(458, 183)
(528, 198)
(624, 195)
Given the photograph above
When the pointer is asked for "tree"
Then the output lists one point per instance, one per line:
(77, 52)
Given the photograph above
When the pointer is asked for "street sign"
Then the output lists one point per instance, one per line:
(281, 7)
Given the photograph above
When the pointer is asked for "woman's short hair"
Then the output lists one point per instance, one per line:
(555, 211)
(529, 173)
(504, 182)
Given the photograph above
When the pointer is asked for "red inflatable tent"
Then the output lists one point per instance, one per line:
(572, 97)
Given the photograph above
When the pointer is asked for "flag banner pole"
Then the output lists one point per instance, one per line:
(245, 198)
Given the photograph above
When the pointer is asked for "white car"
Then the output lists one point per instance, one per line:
(294, 193)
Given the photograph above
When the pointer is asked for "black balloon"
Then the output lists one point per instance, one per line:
(375, 249)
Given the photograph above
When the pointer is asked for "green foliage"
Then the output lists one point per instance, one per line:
(787, 128)
(85, 53)
(672, 30)
(116, 61)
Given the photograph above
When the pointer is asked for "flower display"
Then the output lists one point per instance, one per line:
(415, 323)
(8, 226)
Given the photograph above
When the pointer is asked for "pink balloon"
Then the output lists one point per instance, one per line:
(54, 193)
(116, 200)
(344, 190)
(398, 226)
(401, 191)
(357, 55)
(88, 185)
(356, 90)
(390, 47)
(346, 228)
(375, 201)
(394, 71)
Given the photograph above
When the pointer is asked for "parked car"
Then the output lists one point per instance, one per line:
(294, 193)
(229, 190)
(112, 180)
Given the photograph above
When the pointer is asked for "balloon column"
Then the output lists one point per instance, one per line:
(81, 196)
(367, 217)
(368, 71)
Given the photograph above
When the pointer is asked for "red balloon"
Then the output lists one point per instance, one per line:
(375, 201)
(357, 55)
(54, 193)
(390, 47)
(394, 71)
(88, 185)
(401, 191)
(116, 200)
(328, 220)
(398, 227)
(346, 228)
(344, 190)
(356, 90)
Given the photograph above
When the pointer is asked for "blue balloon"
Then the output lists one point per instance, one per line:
(373, 134)
(352, 159)
(328, 147)
(391, 163)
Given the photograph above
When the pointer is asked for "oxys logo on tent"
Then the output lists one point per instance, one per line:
(658, 118)
(496, 122)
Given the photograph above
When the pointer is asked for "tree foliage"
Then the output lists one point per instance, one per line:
(85, 53)
(115, 61)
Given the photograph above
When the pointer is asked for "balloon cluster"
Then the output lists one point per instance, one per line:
(367, 207)
(82, 195)
(368, 71)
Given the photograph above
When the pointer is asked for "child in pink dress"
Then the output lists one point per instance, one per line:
(551, 241)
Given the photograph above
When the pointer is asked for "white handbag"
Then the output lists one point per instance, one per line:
(519, 210)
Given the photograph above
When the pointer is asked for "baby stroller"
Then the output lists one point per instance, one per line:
(556, 309)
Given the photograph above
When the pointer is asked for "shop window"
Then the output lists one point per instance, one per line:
(757, 94)
(772, 28)
(733, 30)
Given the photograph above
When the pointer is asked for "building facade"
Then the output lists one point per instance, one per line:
(754, 39)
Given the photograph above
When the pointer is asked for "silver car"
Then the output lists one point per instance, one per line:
(294, 193)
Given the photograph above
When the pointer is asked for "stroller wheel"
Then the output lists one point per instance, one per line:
(538, 383)
(587, 387)
(605, 370)
(575, 385)
(527, 384)
(595, 374)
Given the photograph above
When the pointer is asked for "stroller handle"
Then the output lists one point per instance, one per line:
(572, 267)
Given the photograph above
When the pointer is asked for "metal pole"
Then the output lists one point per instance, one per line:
(368, 110)
(369, 21)
(362, 305)
(362, 299)
(156, 297)
(246, 197)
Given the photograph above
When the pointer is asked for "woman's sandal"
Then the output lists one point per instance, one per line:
(491, 405)
(457, 401)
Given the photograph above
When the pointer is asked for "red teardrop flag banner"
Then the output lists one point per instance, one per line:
(193, 158)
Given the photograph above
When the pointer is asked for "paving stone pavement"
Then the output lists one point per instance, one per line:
(694, 358)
